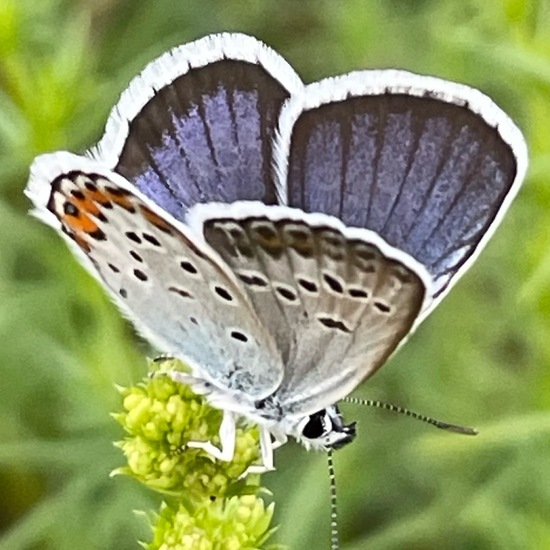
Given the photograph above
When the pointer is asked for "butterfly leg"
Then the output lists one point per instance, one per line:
(227, 431)
(266, 448)
(227, 440)
(200, 387)
(279, 440)
(269, 441)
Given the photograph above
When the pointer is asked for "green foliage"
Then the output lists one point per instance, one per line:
(483, 357)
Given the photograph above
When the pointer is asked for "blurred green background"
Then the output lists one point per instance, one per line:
(483, 358)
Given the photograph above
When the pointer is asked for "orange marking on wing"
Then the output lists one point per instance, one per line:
(80, 223)
(121, 200)
(97, 196)
(155, 219)
(86, 204)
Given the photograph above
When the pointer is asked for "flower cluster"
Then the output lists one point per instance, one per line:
(231, 524)
(212, 504)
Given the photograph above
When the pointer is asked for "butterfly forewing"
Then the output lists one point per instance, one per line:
(178, 294)
(337, 304)
(201, 124)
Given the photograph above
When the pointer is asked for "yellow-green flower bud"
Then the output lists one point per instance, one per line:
(230, 524)
(160, 417)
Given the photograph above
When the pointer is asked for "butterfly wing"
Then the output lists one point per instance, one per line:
(338, 301)
(429, 165)
(172, 286)
(197, 125)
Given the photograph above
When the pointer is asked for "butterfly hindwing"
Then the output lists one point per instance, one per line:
(338, 301)
(429, 165)
(175, 289)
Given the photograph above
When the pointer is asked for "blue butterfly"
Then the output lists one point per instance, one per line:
(282, 239)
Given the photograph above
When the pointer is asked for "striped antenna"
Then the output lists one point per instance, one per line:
(411, 414)
(334, 538)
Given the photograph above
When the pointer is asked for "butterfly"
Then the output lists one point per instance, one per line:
(281, 239)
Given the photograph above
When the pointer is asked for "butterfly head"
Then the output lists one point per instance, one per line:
(325, 430)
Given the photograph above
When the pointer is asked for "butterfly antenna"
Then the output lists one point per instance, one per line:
(411, 414)
(334, 538)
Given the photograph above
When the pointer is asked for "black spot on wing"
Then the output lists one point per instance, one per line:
(188, 267)
(382, 307)
(98, 235)
(180, 292)
(223, 293)
(77, 194)
(355, 292)
(333, 283)
(133, 237)
(253, 280)
(136, 256)
(70, 209)
(151, 239)
(237, 335)
(287, 293)
(336, 324)
(307, 285)
(140, 275)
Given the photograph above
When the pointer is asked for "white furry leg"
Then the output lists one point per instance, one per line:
(266, 449)
(227, 440)
(227, 431)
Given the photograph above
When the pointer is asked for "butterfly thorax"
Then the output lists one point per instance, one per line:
(321, 431)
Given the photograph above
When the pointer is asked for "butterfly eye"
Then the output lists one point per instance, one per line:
(318, 425)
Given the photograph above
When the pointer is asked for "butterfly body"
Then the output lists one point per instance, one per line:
(283, 240)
